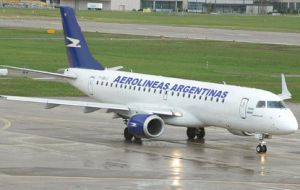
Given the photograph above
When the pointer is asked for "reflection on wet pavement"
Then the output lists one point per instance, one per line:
(63, 148)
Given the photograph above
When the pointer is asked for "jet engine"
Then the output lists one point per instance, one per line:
(240, 133)
(146, 126)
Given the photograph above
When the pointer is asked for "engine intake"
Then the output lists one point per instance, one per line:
(146, 126)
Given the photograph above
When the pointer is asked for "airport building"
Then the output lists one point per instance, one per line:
(115, 5)
(290, 6)
(199, 6)
(218, 6)
(227, 6)
(196, 6)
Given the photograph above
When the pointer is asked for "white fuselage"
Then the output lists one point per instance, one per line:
(200, 103)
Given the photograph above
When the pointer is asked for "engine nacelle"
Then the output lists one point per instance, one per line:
(240, 133)
(146, 126)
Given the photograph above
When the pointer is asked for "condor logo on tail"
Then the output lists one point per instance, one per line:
(74, 43)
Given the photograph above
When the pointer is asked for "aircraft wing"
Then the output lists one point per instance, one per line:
(93, 106)
(38, 73)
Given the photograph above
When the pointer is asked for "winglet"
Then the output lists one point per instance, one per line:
(285, 93)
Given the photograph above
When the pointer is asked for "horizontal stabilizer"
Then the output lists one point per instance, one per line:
(26, 71)
(115, 68)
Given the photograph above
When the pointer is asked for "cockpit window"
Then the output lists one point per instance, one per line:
(276, 104)
(261, 104)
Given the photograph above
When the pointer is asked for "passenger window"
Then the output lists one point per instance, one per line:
(261, 104)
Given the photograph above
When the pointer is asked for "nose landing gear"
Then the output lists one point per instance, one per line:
(262, 147)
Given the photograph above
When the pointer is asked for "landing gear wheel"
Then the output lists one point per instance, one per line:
(261, 148)
(264, 148)
(191, 133)
(200, 133)
(137, 140)
(127, 135)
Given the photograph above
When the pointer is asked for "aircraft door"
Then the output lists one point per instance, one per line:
(243, 108)
(91, 85)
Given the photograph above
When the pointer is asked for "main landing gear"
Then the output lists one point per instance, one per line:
(128, 136)
(262, 147)
(193, 132)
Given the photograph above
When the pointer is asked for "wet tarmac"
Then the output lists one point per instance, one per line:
(63, 148)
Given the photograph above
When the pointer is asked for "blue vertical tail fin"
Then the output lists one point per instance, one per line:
(78, 52)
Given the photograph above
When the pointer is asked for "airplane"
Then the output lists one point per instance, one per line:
(147, 103)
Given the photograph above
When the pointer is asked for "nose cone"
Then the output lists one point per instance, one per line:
(291, 125)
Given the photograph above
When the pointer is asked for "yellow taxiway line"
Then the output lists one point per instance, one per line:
(6, 123)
